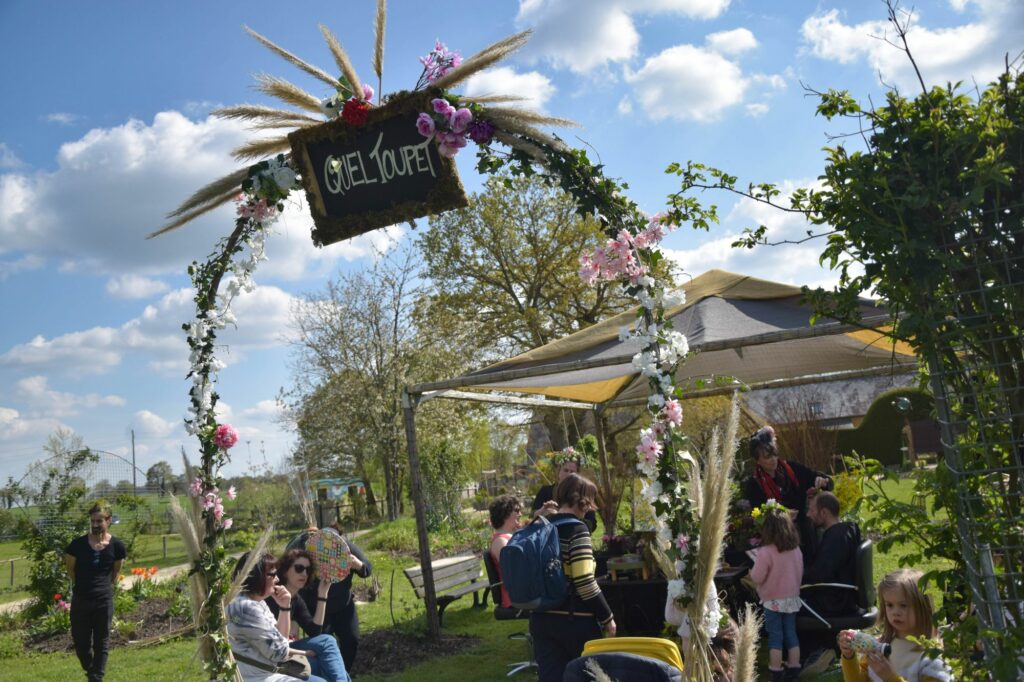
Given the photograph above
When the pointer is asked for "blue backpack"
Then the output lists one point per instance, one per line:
(531, 566)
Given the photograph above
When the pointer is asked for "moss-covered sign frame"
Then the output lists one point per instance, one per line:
(360, 178)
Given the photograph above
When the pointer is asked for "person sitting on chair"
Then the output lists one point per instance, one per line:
(505, 511)
(835, 562)
(544, 502)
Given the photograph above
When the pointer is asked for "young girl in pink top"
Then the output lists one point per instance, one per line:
(777, 571)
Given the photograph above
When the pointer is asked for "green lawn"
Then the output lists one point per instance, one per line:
(486, 661)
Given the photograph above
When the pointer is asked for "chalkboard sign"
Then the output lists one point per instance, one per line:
(360, 178)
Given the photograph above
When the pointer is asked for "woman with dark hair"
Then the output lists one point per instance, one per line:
(258, 641)
(295, 570)
(504, 511)
(784, 481)
(341, 620)
(560, 633)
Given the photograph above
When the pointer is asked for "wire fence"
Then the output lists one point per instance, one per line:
(977, 377)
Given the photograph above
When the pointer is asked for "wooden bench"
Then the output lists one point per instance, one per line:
(454, 577)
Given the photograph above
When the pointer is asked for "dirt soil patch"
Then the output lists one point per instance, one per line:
(150, 619)
(384, 652)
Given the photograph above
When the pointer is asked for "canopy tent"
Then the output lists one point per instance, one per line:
(739, 328)
(743, 328)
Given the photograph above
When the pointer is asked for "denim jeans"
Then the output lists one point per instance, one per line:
(327, 663)
(781, 629)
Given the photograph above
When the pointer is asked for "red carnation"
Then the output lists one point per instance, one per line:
(355, 112)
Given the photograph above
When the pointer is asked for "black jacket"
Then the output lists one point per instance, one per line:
(835, 562)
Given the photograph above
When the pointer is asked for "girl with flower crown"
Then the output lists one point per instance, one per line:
(788, 482)
(777, 571)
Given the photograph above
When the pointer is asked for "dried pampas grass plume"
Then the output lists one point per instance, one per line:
(379, 22)
(256, 112)
(314, 71)
(481, 60)
(746, 645)
(281, 89)
(343, 62)
(258, 149)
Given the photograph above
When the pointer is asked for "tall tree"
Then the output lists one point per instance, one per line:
(159, 477)
(507, 266)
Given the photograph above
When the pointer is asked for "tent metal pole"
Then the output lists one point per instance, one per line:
(726, 344)
(504, 400)
(416, 488)
(782, 383)
(606, 476)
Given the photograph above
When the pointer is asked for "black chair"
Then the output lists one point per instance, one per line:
(867, 608)
(508, 613)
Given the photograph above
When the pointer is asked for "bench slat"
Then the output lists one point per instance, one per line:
(449, 582)
(466, 565)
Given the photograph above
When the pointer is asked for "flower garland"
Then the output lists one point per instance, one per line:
(263, 191)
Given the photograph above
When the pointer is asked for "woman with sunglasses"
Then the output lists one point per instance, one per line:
(295, 570)
(259, 640)
(789, 483)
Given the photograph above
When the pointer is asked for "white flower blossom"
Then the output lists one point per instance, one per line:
(656, 400)
(624, 333)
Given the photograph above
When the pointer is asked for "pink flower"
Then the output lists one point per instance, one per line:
(650, 447)
(218, 510)
(225, 437)
(425, 125)
(441, 106)
(683, 543)
(449, 144)
(459, 120)
(589, 270)
(658, 429)
(196, 488)
(209, 501)
(232, 493)
(673, 412)
(227, 523)
(367, 93)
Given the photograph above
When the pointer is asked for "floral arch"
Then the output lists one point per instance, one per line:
(446, 125)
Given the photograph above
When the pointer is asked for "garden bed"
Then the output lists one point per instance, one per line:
(151, 618)
(384, 652)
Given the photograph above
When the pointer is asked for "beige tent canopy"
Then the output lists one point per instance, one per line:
(740, 329)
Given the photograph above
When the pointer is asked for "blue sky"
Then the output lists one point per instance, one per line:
(104, 129)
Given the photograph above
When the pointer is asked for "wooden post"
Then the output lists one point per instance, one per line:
(164, 538)
(606, 475)
(416, 489)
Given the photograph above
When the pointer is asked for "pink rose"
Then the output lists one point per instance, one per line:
(460, 119)
(425, 125)
(225, 437)
(449, 144)
(441, 106)
(227, 523)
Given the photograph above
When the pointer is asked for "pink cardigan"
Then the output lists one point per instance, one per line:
(776, 573)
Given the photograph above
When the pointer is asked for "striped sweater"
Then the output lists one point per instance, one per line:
(578, 563)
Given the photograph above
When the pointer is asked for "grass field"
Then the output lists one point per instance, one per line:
(486, 661)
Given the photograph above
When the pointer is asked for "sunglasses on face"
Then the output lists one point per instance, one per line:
(271, 574)
(301, 568)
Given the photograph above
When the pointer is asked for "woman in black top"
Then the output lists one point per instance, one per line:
(560, 633)
(342, 620)
(295, 570)
(785, 481)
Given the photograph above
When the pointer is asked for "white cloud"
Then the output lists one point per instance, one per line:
(688, 83)
(36, 393)
(66, 214)
(147, 423)
(795, 264)
(134, 286)
(62, 118)
(264, 409)
(581, 35)
(23, 264)
(15, 428)
(8, 159)
(757, 109)
(956, 53)
(535, 88)
(156, 332)
(731, 42)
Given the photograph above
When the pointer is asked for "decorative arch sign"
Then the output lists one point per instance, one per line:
(360, 178)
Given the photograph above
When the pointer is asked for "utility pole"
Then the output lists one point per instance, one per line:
(135, 487)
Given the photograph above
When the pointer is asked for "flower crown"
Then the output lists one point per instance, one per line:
(569, 454)
(772, 506)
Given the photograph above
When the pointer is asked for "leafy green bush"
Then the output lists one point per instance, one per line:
(56, 619)
(12, 644)
(880, 435)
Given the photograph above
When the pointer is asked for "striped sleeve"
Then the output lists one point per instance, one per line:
(579, 566)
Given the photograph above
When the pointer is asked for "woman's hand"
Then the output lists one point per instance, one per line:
(821, 482)
(880, 666)
(609, 628)
(322, 589)
(843, 640)
(282, 596)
